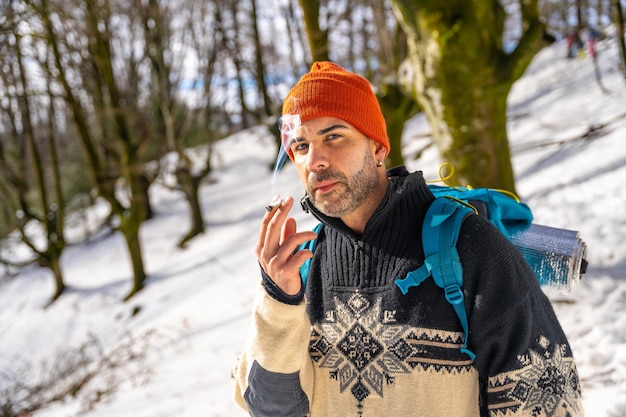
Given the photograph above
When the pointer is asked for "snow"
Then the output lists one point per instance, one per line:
(189, 324)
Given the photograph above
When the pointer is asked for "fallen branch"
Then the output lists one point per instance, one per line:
(593, 131)
(87, 373)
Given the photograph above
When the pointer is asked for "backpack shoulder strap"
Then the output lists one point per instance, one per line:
(310, 245)
(440, 233)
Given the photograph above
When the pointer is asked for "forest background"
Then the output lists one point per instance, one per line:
(95, 94)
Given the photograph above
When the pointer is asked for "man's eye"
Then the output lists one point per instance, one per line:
(300, 147)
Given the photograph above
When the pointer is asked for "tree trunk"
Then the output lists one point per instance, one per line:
(462, 77)
(621, 41)
(397, 107)
(396, 103)
(191, 187)
(260, 66)
(318, 38)
(296, 40)
(105, 169)
(237, 62)
(132, 216)
(175, 135)
(51, 208)
(579, 15)
(55, 267)
(130, 229)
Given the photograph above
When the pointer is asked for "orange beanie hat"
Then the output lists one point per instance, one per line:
(329, 90)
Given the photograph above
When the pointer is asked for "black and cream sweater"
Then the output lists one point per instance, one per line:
(355, 346)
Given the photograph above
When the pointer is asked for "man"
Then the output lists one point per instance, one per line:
(349, 343)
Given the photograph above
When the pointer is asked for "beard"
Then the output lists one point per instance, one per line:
(349, 193)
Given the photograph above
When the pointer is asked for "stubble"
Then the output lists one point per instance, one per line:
(351, 192)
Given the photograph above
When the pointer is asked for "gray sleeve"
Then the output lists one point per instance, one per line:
(272, 394)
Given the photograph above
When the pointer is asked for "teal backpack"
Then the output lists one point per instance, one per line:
(557, 256)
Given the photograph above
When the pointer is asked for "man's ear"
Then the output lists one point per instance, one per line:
(380, 152)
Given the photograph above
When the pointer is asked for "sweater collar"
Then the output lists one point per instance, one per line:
(397, 178)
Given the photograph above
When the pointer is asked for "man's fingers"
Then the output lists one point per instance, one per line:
(298, 258)
(275, 225)
(271, 225)
(284, 268)
(289, 228)
(277, 247)
(291, 243)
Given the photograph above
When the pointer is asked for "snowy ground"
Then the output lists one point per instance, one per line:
(195, 309)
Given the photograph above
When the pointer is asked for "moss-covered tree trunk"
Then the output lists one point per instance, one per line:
(121, 156)
(316, 36)
(397, 107)
(462, 76)
(134, 213)
(52, 205)
(129, 225)
(190, 186)
(59, 284)
(189, 175)
(132, 218)
(396, 103)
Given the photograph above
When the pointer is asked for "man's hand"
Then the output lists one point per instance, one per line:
(278, 240)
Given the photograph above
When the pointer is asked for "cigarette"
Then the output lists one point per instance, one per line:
(276, 201)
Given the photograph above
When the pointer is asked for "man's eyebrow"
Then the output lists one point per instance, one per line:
(330, 128)
(319, 133)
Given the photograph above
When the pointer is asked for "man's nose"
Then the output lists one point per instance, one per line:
(317, 157)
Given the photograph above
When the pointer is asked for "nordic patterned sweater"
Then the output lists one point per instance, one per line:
(354, 346)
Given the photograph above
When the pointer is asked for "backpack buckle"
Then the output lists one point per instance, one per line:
(454, 295)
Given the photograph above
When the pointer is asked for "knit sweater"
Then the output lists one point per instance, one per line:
(353, 345)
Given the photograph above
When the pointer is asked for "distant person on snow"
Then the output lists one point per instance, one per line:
(579, 44)
(592, 39)
(349, 343)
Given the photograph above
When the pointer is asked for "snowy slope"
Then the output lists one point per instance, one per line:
(194, 312)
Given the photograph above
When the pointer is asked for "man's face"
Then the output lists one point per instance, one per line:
(336, 163)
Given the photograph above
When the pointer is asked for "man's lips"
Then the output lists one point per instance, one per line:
(324, 187)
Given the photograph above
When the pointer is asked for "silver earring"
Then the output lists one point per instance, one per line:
(379, 164)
